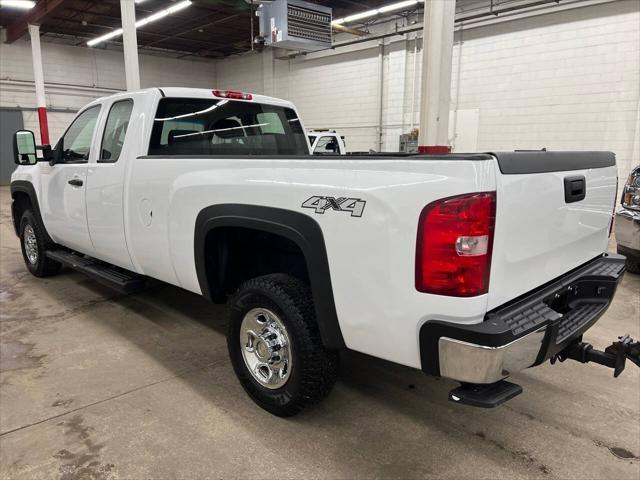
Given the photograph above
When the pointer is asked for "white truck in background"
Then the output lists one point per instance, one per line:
(472, 267)
(326, 142)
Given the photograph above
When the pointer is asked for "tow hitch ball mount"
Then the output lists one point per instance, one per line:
(614, 356)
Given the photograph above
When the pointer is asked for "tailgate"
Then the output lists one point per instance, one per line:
(553, 214)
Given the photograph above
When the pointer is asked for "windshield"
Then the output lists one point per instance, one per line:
(189, 126)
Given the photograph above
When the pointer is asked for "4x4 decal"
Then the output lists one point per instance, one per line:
(321, 204)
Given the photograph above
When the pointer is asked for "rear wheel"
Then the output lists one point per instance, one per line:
(275, 345)
(34, 246)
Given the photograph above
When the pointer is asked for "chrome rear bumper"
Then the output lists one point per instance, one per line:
(525, 332)
(628, 228)
(472, 363)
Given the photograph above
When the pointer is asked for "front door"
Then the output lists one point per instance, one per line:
(63, 206)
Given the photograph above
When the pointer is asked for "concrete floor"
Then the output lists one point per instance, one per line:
(100, 385)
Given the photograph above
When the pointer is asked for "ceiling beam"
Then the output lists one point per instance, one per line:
(352, 31)
(37, 16)
(184, 32)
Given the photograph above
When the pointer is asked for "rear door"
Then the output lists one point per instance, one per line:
(106, 183)
(64, 184)
(553, 213)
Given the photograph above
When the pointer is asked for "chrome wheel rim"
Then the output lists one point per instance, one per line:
(30, 244)
(265, 347)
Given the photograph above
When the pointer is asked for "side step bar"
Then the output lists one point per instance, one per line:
(117, 278)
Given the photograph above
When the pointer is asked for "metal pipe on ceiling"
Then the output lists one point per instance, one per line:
(472, 20)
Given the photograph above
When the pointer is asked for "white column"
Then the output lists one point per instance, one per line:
(130, 44)
(437, 53)
(38, 77)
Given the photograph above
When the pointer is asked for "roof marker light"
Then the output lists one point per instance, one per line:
(232, 94)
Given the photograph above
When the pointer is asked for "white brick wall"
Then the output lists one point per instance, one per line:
(76, 75)
(562, 80)
(566, 81)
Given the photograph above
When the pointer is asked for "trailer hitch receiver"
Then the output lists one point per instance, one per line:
(614, 356)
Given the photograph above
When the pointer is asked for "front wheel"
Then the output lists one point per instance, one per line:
(275, 347)
(34, 246)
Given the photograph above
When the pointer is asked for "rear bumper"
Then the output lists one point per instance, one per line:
(628, 229)
(526, 331)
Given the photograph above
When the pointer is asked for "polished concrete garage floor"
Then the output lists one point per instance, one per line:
(100, 385)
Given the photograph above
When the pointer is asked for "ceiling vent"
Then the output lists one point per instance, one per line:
(295, 25)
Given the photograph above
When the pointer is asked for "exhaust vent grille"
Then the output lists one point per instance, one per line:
(295, 25)
(309, 24)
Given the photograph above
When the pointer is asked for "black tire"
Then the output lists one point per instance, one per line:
(314, 368)
(632, 264)
(43, 266)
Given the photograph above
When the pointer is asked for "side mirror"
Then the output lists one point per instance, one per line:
(24, 147)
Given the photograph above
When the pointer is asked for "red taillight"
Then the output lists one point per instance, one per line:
(232, 94)
(455, 239)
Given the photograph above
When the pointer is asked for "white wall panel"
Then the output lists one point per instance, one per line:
(562, 80)
(76, 75)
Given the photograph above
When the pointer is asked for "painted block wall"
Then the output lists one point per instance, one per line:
(566, 80)
(562, 80)
(76, 75)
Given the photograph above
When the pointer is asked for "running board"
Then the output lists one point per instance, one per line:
(485, 395)
(117, 278)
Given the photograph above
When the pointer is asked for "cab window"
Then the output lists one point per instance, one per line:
(115, 130)
(190, 126)
(76, 142)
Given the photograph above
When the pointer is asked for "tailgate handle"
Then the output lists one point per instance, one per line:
(575, 188)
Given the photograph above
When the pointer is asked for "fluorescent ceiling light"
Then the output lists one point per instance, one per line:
(361, 15)
(24, 4)
(397, 6)
(376, 11)
(142, 22)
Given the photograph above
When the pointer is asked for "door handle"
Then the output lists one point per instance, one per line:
(76, 182)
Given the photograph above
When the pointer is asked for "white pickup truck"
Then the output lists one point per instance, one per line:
(326, 142)
(471, 267)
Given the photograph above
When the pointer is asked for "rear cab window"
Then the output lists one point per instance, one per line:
(196, 126)
(115, 130)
